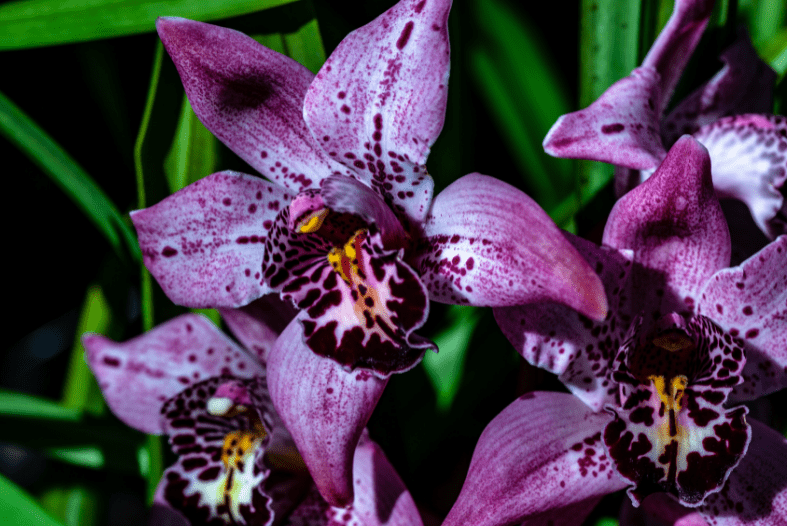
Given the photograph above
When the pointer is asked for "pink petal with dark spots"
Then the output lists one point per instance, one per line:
(570, 345)
(750, 302)
(486, 243)
(204, 244)
(674, 225)
(324, 407)
(660, 509)
(749, 162)
(381, 499)
(672, 431)
(348, 195)
(671, 51)
(621, 127)
(540, 461)
(378, 103)
(743, 85)
(139, 375)
(756, 492)
(250, 98)
(258, 324)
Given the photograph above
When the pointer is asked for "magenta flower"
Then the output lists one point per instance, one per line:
(236, 462)
(347, 228)
(627, 125)
(685, 339)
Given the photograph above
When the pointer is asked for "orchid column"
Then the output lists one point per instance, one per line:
(345, 227)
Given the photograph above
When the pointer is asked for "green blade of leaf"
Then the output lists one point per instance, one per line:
(33, 23)
(17, 507)
(193, 152)
(444, 369)
(68, 175)
(20, 404)
(524, 93)
(90, 457)
(81, 391)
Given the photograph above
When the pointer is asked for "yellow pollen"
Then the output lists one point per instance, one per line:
(312, 222)
(670, 397)
(344, 260)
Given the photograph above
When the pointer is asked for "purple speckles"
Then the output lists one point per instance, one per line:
(419, 6)
(612, 128)
(470, 263)
(345, 109)
(110, 361)
(378, 125)
(341, 94)
(747, 310)
(252, 208)
(405, 36)
(226, 201)
(752, 333)
(168, 252)
(263, 154)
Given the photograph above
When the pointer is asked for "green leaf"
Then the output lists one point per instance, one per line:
(17, 507)
(90, 457)
(524, 93)
(68, 175)
(33, 23)
(444, 369)
(303, 45)
(81, 391)
(19, 404)
(76, 506)
(193, 152)
(608, 48)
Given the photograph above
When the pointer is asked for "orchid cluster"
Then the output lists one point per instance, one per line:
(324, 269)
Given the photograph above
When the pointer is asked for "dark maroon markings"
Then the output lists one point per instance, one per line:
(419, 6)
(405, 36)
(110, 361)
(752, 333)
(612, 128)
(226, 201)
(168, 252)
(345, 109)
(279, 278)
(192, 463)
(210, 473)
(341, 95)
(642, 415)
(328, 300)
(747, 310)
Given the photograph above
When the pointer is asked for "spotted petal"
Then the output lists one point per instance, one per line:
(361, 303)
(541, 461)
(486, 243)
(750, 302)
(381, 499)
(675, 226)
(378, 103)
(250, 98)
(621, 127)
(258, 324)
(743, 85)
(672, 432)
(325, 409)
(756, 493)
(749, 159)
(675, 44)
(203, 244)
(137, 376)
(577, 349)
(220, 471)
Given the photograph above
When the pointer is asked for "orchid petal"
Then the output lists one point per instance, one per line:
(743, 85)
(378, 103)
(749, 163)
(578, 350)
(675, 226)
(258, 324)
(161, 363)
(250, 98)
(660, 509)
(750, 302)
(675, 44)
(347, 195)
(621, 127)
(486, 243)
(538, 457)
(324, 407)
(203, 244)
(756, 492)
(381, 499)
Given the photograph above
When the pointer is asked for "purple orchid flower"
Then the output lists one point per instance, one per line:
(347, 228)
(236, 462)
(627, 126)
(685, 336)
